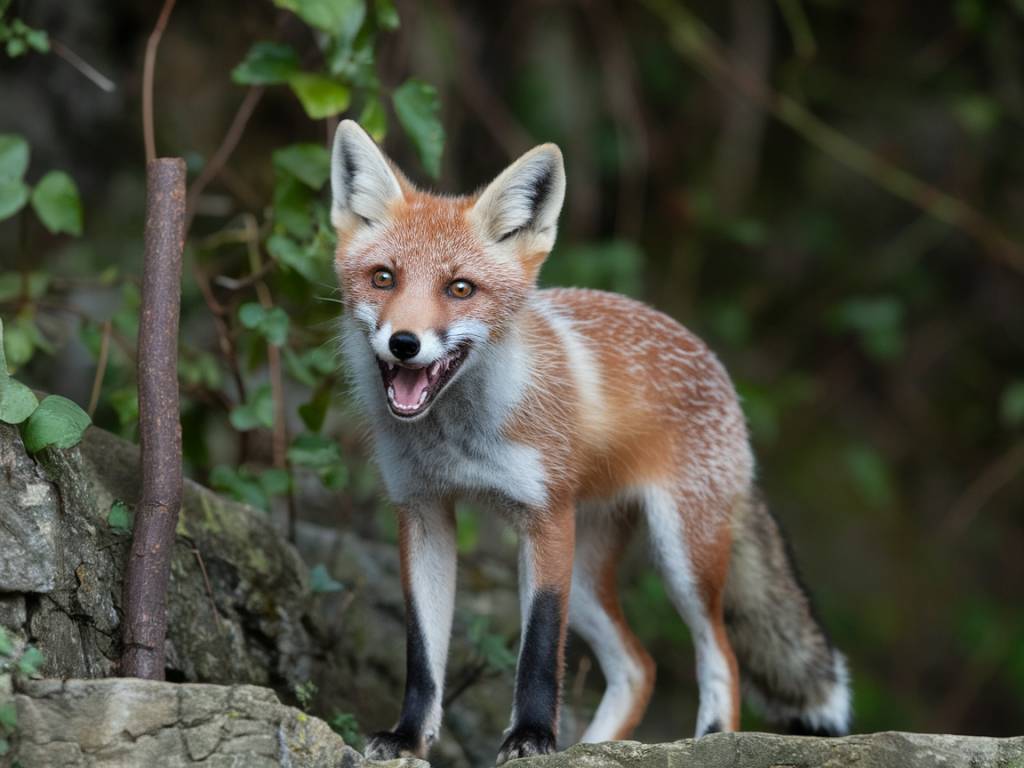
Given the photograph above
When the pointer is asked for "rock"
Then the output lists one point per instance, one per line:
(239, 601)
(763, 750)
(127, 722)
(29, 513)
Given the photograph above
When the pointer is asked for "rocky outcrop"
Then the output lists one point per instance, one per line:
(240, 609)
(765, 750)
(125, 722)
(119, 722)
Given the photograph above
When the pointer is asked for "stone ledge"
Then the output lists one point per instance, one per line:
(127, 722)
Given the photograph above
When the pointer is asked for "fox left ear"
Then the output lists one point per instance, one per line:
(363, 186)
(525, 200)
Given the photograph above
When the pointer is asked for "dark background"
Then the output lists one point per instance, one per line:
(876, 341)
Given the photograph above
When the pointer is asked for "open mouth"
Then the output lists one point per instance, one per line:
(411, 389)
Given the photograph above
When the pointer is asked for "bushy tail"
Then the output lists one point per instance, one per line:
(791, 672)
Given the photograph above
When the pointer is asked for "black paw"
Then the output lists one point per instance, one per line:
(714, 727)
(797, 727)
(388, 745)
(526, 741)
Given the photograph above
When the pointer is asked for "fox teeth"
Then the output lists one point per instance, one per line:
(434, 368)
(391, 393)
(391, 366)
(423, 396)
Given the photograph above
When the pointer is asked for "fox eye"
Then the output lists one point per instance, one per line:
(383, 278)
(461, 289)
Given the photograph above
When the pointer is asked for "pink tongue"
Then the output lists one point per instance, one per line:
(409, 385)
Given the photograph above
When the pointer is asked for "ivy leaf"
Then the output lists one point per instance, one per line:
(119, 518)
(275, 481)
(13, 196)
(1011, 405)
(294, 256)
(56, 422)
(17, 402)
(30, 661)
(387, 14)
(374, 119)
(292, 203)
(271, 323)
(321, 581)
(320, 96)
(8, 716)
(257, 412)
(13, 157)
(267, 64)
(314, 451)
(314, 412)
(241, 486)
(309, 163)
(56, 202)
(417, 107)
(6, 645)
(339, 18)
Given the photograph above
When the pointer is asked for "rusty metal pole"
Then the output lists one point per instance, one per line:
(156, 518)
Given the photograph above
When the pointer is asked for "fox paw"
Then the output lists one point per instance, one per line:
(526, 741)
(389, 745)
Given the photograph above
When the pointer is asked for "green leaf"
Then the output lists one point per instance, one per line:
(339, 18)
(320, 96)
(275, 481)
(387, 14)
(309, 163)
(418, 107)
(240, 485)
(57, 422)
(267, 64)
(271, 323)
(314, 451)
(56, 202)
(870, 474)
(18, 342)
(314, 412)
(321, 581)
(119, 517)
(6, 644)
(257, 412)
(17, 402)
(288, 252)
(13, 157)
(8, 716)
(1011, 405)
(30, 661)
(5, 747)
(13, 196)
(293, 202)
(374, 119)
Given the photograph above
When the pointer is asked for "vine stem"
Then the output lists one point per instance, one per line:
(149, 64)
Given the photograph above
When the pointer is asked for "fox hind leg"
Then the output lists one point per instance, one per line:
(595, 614)
(696, 587)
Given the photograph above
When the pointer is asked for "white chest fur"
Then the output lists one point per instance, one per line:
(458, 447)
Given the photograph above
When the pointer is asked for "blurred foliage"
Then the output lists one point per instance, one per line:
(875, 337)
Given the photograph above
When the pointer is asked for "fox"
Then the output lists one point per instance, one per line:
(577, 416)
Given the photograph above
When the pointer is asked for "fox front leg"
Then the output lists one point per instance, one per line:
(545, 576)
(428, 559)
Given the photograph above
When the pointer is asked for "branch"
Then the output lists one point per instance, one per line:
(149, 562)
(698, 45)
(147, 79)
(96, 77)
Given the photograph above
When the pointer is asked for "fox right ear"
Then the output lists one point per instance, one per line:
(363, 186)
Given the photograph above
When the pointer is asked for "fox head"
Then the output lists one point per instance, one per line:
(432, 281)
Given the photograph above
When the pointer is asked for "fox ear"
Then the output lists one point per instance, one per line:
(362, 182)
(525, 199)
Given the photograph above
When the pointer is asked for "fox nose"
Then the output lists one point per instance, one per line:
(404, 345)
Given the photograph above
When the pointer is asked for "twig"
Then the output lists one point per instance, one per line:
(149, 561)
(277, 393)
(101, 368)
(209, 590)
(698, 44)
(223, 152)
(98, 79)
(996, 476)
(469, 679)
(147, 78)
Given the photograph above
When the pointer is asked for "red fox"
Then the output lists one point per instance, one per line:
(576, 414)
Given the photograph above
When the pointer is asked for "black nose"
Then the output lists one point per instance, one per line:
(404, 345)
